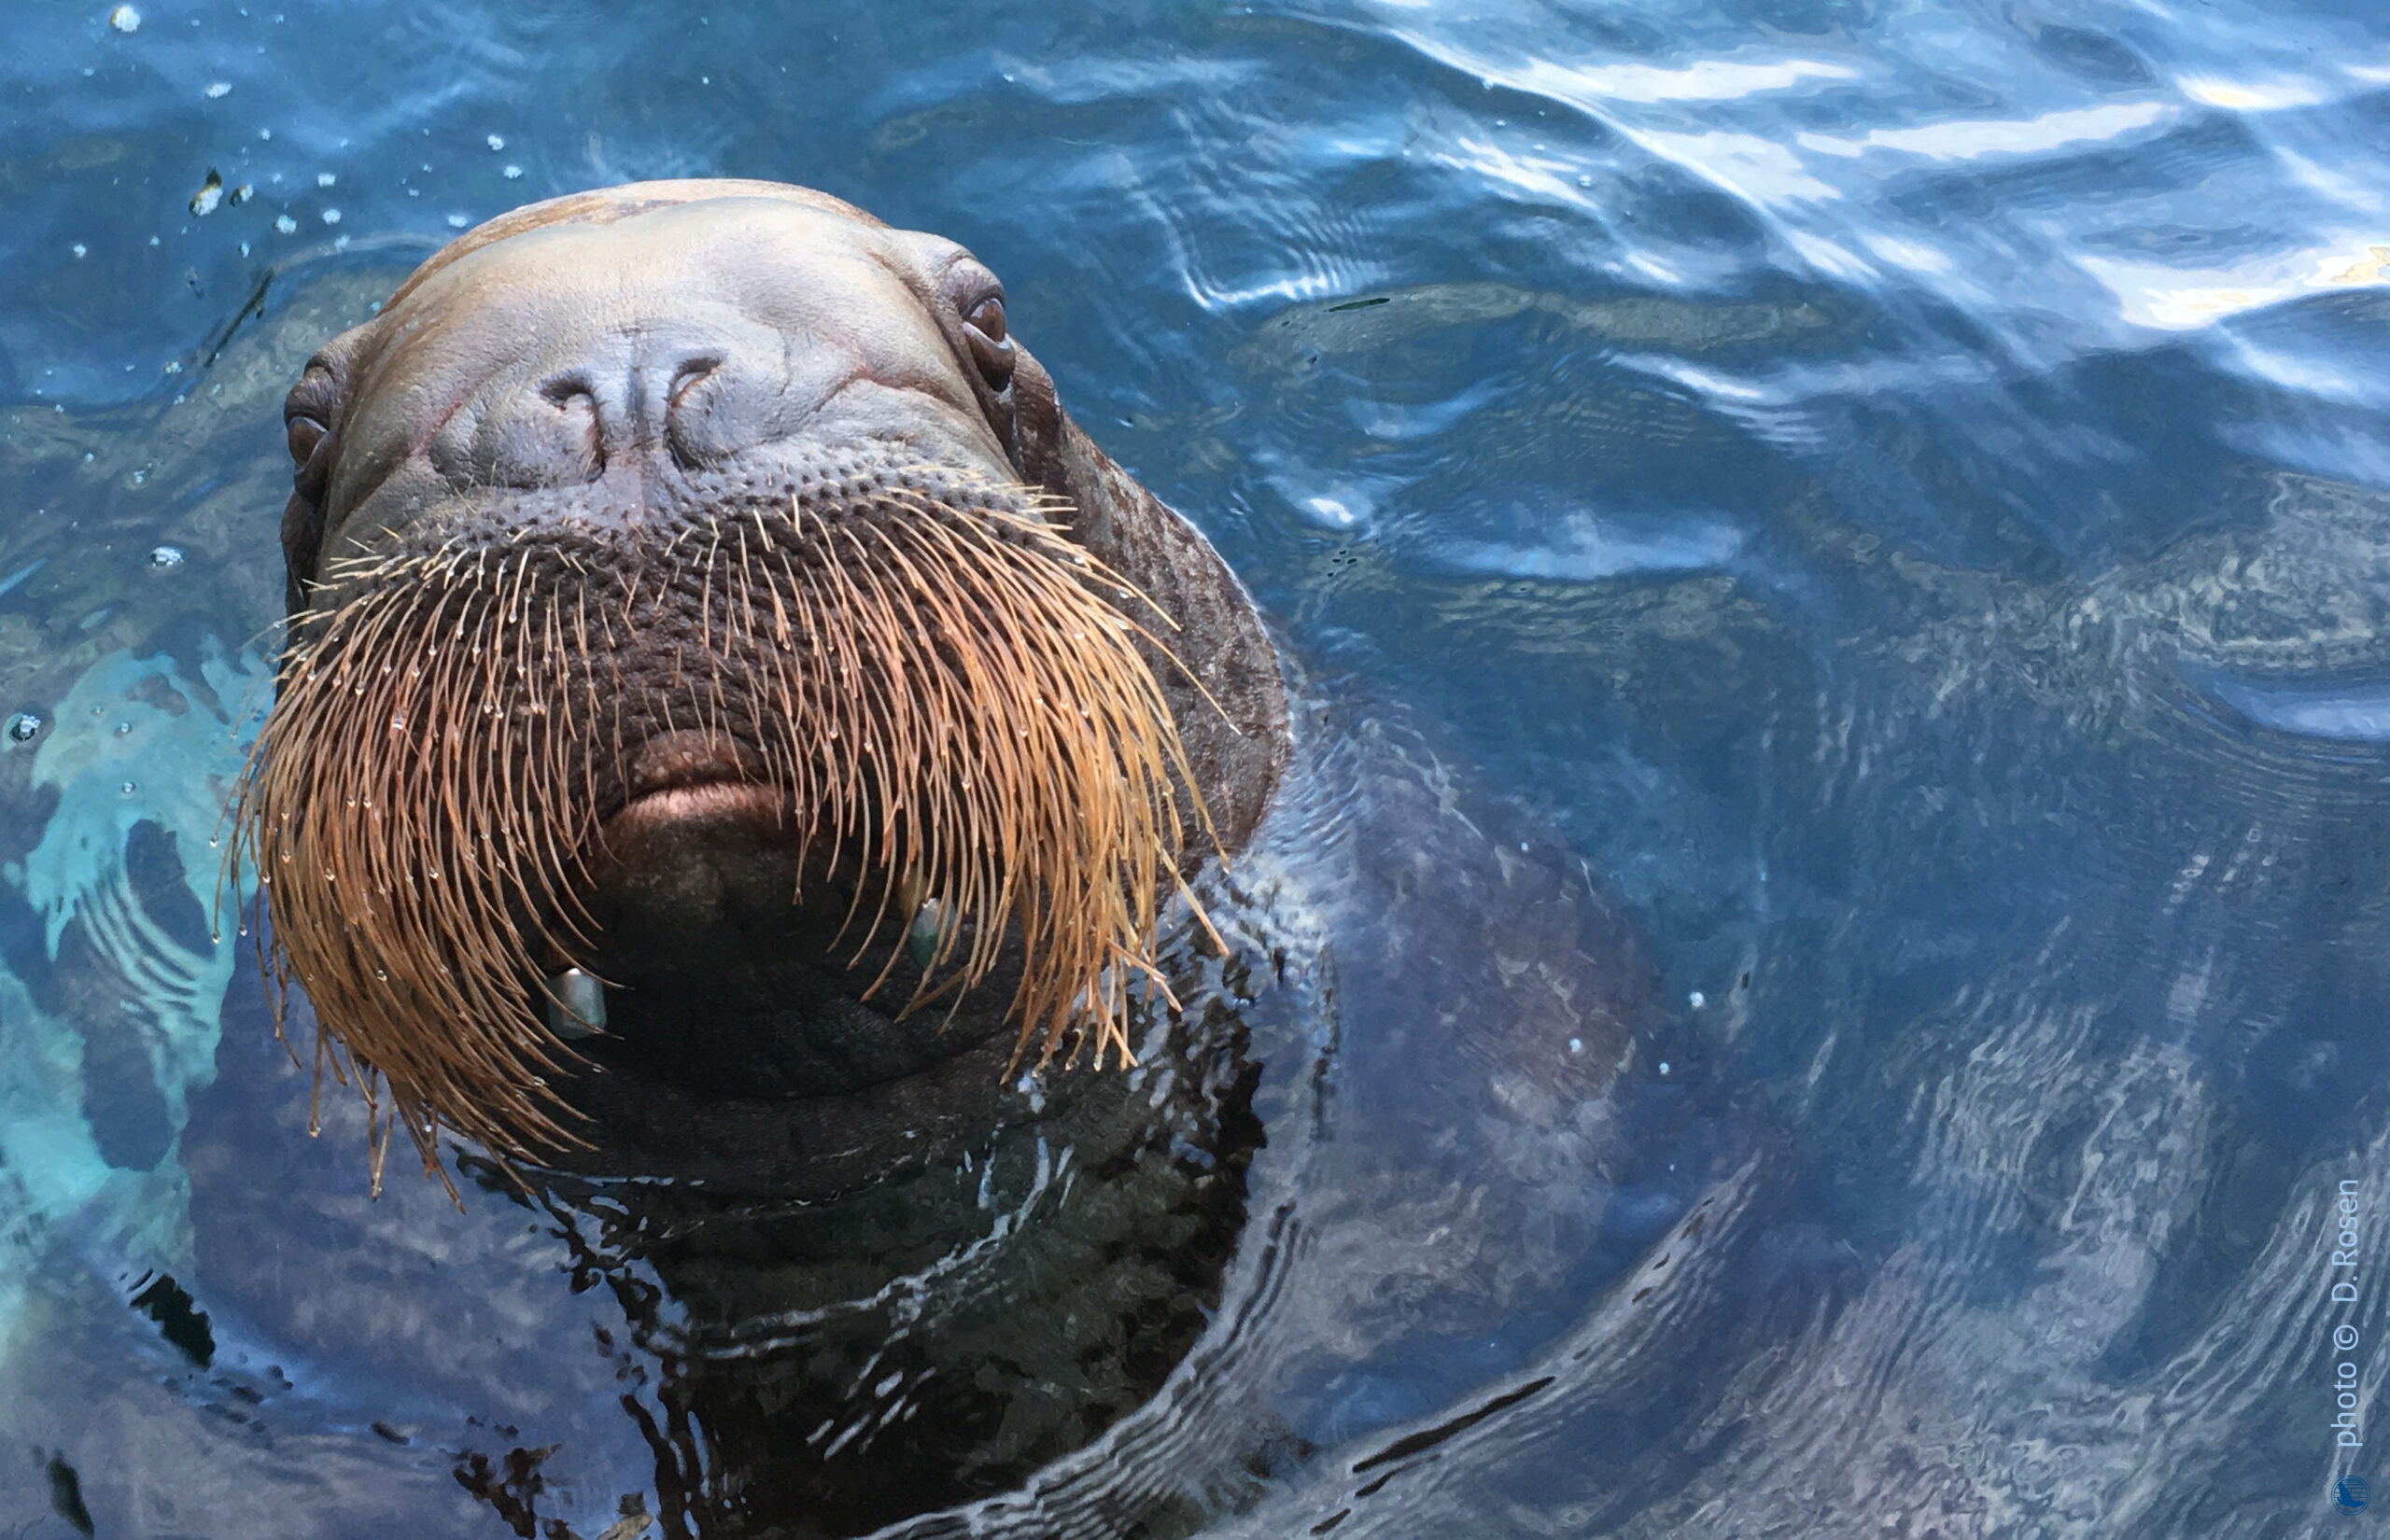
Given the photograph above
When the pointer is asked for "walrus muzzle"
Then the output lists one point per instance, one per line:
(695, 610)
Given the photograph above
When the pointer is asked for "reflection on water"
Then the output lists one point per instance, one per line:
(1889, 503)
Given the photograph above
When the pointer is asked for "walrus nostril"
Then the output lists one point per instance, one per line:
(555, 438)
(688, 375)
(577, 403)
(690, 428)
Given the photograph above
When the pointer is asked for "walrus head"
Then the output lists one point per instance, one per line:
(706, 628)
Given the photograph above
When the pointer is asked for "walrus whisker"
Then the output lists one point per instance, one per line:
(893, 703)
(257, 637)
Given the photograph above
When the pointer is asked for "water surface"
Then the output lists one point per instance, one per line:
(1900, 492)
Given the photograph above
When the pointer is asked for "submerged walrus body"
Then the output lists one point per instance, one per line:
(740, 746)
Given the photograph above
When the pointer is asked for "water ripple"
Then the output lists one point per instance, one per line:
(1898, 490)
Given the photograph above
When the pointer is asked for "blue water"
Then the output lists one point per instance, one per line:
(1900, 492)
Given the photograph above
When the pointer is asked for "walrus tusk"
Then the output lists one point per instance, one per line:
(923, 934)
(576, 1004)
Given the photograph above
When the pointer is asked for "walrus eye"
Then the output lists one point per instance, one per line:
(987, 319)
(305, 434)
(984, 324)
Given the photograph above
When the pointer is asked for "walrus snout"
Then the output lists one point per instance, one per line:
(640, 393)
(737, 339)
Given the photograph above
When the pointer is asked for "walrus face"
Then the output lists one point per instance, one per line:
(679, 648)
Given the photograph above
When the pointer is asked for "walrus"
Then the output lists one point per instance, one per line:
(712, 643)
(745, 760)
(732, 723)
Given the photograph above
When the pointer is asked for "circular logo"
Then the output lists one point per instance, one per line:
(2352, 1492)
